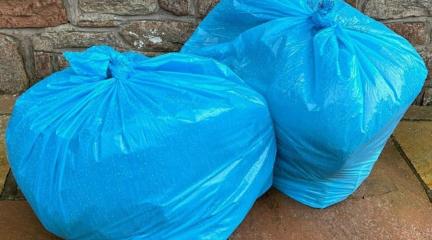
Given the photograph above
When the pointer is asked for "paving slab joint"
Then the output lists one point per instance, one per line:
(412, 167)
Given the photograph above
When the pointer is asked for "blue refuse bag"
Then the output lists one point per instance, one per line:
(121, 146)
(337, 83)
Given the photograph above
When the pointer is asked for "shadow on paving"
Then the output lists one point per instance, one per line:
(391, 204)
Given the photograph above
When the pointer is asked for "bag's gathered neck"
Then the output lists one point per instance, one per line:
(100, 61)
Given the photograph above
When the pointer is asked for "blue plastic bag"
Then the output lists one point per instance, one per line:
(120, 146)
(337, 83)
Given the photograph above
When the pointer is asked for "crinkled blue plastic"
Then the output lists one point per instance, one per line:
(337, 83)
(121, 146)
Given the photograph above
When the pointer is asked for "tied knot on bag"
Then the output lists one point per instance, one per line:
(322, 14)
(100, 61)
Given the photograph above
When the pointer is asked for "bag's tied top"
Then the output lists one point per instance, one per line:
(100, 61)
(322, 14)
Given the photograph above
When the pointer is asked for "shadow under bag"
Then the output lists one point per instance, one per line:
(124, 147)
(337, 83)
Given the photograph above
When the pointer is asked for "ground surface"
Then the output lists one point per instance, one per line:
(391, 204)
(413, 137)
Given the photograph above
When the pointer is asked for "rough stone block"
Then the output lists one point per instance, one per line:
(131, 7)
(204, 6)
(43, 66)
(6, 103)
(156, 36)
(427, 56)
(66, 37)
(13, 77)
(415, 32)
(98, 20)
(419, 100)
(351, 2)
(48, 63)
(4, 166)
(178, 7)
(394, 9)
(427, 97)
(31, 13)
(59, 62)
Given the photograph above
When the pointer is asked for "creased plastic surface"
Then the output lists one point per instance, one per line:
(120, 146)
(337, 83)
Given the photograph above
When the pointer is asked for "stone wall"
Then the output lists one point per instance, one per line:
(34, 33)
